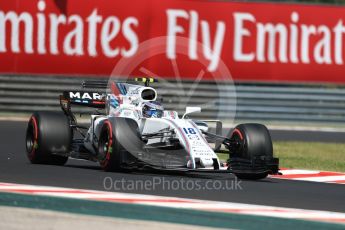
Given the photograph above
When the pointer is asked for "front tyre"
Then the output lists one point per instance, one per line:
(252, 155)
(119, 141)
(48, 134)
(109, 159)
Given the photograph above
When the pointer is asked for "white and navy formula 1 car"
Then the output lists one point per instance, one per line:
(135, 132)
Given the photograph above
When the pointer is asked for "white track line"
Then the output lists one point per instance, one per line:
(311, 175)
(298, 171)
(323, 178)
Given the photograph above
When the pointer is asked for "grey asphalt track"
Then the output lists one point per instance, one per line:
(15, 168)
(310, 136)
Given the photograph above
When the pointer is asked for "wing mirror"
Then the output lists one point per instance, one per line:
(190, 110)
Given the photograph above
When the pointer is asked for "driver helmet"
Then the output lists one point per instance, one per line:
(152, 109)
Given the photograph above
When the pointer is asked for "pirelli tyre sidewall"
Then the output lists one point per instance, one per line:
(48, 138)
(255, 142)
(119, 141)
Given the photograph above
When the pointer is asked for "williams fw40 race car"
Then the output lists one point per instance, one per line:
(135, 132)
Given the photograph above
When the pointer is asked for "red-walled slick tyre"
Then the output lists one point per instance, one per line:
(48, 138)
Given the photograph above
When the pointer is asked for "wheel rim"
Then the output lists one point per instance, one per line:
(105, 145)
(237, 137)
(32, 138)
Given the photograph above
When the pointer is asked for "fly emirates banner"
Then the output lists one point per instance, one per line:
(254, 41)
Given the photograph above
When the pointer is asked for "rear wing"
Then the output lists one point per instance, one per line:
(103, 84)
(92, 98)
(84, 98)
(95, 84)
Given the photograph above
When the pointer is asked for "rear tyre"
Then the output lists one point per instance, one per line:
(254, 148)
(48, 134)
(119, 140)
